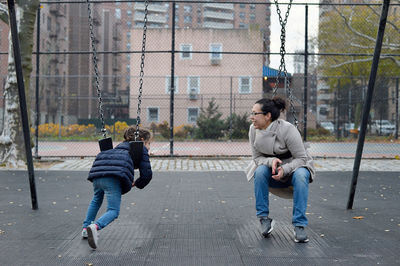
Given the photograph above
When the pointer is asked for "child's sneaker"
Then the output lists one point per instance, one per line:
(84, 233)
(92, 235)
(267, 225)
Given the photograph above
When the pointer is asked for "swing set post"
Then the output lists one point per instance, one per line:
(305, 113)
(367, 105)
(22, 101)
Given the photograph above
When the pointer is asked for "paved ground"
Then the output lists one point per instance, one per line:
(199, 218)
(234, 148)
(239, 164)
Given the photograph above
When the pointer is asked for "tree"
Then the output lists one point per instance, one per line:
(240, 125)
(209, 124)
(12, 150)
(353, 30)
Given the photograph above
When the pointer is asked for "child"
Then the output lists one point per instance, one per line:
(112, 174)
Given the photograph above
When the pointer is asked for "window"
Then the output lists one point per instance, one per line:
(242, 5)
(244, 85)
(193, 114)
(242, 25)
(118, 13)
(187, 19)
(216, 49)
(168, 85)
(242, 15)
(187, 9)
(152, 114)
(252, 16)
(49, 23)
(252, 6)
(193, 85)
(186, 51)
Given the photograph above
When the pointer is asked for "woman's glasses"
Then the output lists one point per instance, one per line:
(256, 113)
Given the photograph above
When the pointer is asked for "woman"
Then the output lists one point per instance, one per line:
(279, 160)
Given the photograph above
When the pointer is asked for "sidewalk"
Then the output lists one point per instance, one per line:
(240, 164)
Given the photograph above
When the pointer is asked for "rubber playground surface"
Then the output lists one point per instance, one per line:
(199, 218)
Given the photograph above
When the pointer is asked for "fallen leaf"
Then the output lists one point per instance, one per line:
(358, 217)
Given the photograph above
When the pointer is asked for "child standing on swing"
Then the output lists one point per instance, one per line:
(112, 175)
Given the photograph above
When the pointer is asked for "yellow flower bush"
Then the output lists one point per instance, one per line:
(53, 130)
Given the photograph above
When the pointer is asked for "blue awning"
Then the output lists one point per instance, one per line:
(270, 72)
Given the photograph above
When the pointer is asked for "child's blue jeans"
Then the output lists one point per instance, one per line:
(111, 187)
(299, 180)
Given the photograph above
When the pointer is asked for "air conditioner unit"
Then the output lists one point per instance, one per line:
(215, 61)
(193, 95)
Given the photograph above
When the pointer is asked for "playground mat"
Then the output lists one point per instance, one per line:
(199, 218)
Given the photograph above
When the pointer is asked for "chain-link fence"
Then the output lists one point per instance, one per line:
(223, 57)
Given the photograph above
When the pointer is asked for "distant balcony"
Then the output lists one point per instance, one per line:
(152, 8)
(152, 18)
(219, 6)
(217, 25)
(324, 96)
(54, 9)
(218, 15)
(53, 35)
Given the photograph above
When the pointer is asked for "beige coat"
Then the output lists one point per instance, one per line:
(279, 138)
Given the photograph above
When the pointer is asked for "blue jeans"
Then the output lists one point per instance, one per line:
(111, 187)
(299, 180)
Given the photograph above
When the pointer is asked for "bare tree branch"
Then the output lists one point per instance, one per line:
(4, 13)
(397, 62)
(389, 46)
(388, 21)
(347, 22)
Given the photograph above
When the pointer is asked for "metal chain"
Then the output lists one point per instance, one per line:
(282, 66)
(96, 70)
(146, 3)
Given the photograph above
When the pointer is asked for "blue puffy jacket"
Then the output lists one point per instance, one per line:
(118, 163)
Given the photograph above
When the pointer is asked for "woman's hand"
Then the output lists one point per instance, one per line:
(133, 183)
(277, 171)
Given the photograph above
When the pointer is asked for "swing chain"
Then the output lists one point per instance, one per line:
(146, 3)
(96, 70)
(282, 66)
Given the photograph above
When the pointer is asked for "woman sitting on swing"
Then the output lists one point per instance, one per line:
(279, 160)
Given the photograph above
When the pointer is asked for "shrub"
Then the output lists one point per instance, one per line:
(209, 123)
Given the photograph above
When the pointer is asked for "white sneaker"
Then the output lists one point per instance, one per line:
(92, 235)
(84, 233)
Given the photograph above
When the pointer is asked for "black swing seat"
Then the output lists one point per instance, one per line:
(105, 144)
(136, 151)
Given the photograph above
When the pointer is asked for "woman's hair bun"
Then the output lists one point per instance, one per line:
(279, 103)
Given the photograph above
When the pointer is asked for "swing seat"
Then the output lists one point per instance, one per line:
(105, 144)
(136, 151)
(285, 193)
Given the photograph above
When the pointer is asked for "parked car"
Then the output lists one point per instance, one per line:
(382, 127)
(348, 126)
(328, 126)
